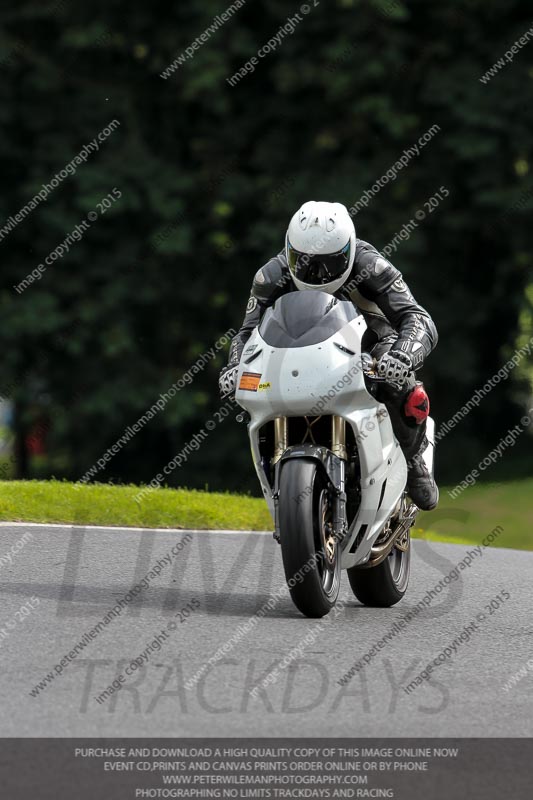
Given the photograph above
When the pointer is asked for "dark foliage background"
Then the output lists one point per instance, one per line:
(210, 175)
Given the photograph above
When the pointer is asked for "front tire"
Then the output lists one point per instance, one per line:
(385, 585)
(311, 557)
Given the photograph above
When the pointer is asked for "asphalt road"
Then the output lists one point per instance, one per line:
(69, 578)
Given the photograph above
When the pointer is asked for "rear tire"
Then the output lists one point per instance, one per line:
(304, 510)
(385, 585)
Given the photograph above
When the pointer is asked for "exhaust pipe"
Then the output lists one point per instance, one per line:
(380, 551)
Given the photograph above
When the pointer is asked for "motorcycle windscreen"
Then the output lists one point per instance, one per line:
(299, 319)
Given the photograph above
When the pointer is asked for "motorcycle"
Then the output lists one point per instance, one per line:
(330, 468)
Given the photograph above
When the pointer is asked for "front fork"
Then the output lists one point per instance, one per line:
(333, 461)
(338, 447)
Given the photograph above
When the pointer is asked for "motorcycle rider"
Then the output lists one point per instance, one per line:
(322, 252)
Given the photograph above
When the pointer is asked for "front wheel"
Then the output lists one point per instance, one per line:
(386, 584)
(311, 556)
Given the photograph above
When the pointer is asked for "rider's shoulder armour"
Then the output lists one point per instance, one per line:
(371, 271)
(272, 280)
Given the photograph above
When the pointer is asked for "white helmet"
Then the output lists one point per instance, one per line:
(320, 246)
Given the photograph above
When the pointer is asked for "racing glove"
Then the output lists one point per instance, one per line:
(394, 367)
(227, 380)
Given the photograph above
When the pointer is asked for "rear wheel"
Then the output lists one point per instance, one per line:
(386, 584)
(311, 556)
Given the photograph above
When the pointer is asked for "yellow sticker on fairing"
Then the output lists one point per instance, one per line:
(264, 386)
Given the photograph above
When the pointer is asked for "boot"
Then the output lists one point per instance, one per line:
(421, 485)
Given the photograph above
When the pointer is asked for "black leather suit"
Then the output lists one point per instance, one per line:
(395, 322)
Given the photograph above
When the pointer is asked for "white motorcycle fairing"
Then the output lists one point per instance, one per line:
(326, 378)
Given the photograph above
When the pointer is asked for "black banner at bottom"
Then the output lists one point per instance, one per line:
(405, 769)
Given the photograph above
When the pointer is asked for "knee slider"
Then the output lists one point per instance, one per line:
(416, 406)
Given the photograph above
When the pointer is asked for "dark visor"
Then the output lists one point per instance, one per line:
(319, 268)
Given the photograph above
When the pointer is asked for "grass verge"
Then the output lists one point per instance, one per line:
(465, 520)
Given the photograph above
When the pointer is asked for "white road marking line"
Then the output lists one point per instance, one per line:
(125, 528)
